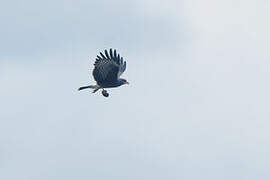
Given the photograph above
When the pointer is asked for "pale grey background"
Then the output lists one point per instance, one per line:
(197, 106)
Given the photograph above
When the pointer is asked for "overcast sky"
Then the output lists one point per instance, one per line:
(197, 106)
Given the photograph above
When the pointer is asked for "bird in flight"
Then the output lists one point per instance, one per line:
(107, 71)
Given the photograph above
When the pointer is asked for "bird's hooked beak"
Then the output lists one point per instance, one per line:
(127, 83)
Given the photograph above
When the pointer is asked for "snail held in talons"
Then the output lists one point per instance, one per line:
(105, 93)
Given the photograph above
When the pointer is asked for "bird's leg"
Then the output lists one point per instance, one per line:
(95, 90)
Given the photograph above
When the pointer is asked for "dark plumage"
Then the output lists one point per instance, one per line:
(107, 71)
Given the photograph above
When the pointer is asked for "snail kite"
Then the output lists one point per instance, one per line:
(107, 71)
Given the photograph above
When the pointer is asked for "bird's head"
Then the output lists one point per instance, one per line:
(123, 81)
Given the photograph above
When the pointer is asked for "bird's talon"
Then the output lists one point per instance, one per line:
(105, 93)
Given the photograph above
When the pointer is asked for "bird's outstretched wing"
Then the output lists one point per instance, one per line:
(108, 67)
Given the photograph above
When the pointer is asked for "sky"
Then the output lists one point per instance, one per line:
(197, 106)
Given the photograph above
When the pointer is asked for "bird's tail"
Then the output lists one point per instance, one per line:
(91, 87)
(95, 87)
